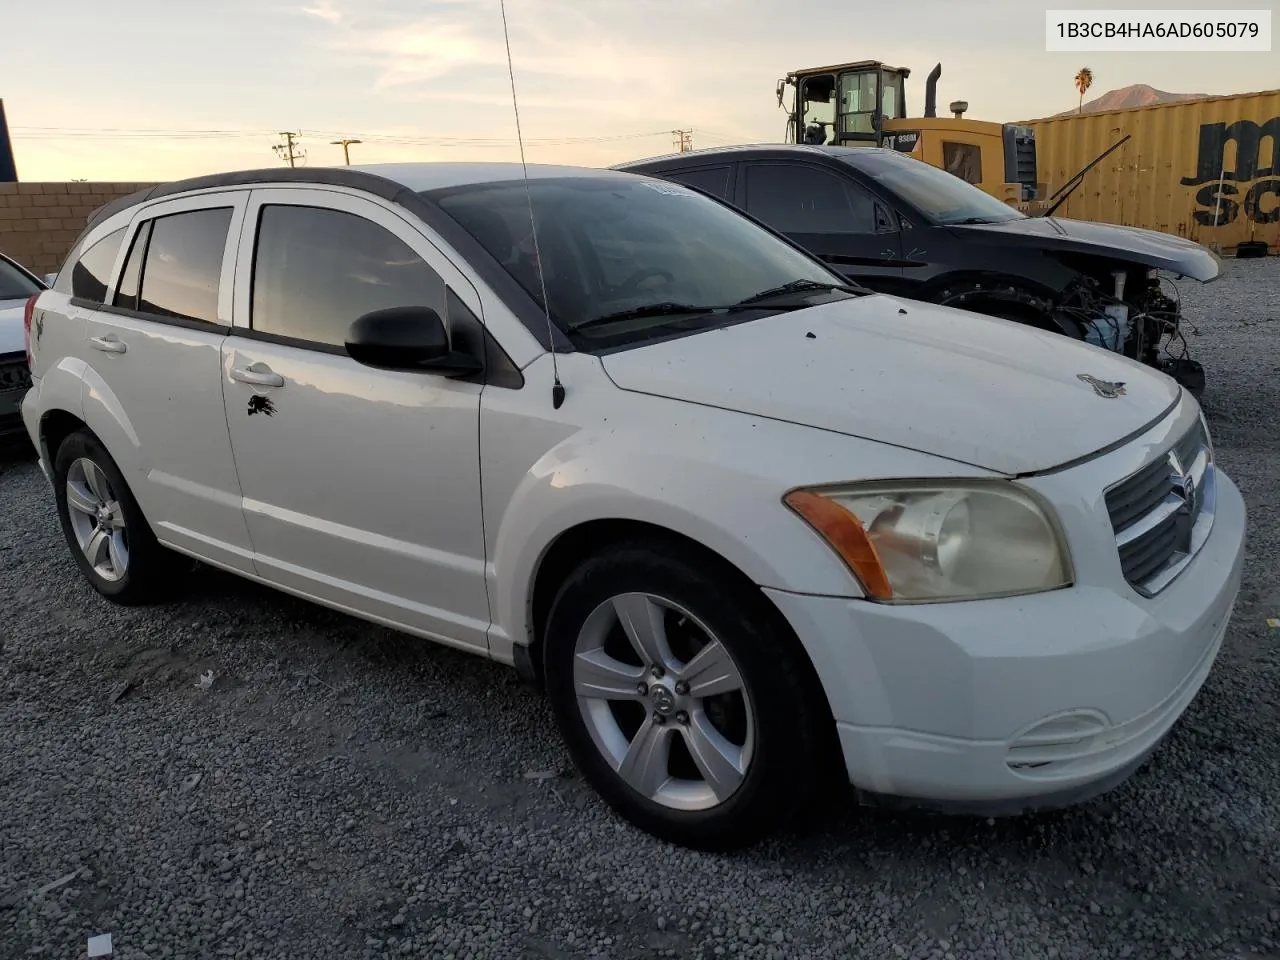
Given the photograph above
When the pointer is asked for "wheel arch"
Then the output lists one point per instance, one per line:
(576, 544)
(999, 294)
(55, 426)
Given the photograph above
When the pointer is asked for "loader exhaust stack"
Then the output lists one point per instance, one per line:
(931, 92)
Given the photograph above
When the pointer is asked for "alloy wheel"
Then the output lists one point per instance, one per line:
(97, 520)
(664, 702)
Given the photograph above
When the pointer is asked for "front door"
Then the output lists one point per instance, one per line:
(361, 486)
(153, 390)
(827, 213)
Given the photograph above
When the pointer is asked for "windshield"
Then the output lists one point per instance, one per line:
(14, 284)
(941, 196)
(622, 257)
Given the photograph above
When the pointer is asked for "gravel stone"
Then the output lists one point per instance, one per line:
(345, 792)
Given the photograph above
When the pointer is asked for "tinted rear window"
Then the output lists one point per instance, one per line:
(87, 279)
(183, 269)
(712, 180)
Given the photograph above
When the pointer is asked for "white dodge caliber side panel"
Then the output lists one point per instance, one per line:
(361, 486)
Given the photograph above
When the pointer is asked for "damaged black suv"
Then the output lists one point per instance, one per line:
(900, 226)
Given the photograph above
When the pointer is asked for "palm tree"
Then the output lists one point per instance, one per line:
(1084, 80)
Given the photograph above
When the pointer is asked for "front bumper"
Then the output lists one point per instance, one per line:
(999, 706)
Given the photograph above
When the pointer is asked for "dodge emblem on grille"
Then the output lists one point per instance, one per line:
(1107, 389)
(1184, 486)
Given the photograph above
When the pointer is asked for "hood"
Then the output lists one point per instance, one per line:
(12, 339)
(991, 393)
(1151, 248)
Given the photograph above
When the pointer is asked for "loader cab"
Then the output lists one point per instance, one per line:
(846, 104)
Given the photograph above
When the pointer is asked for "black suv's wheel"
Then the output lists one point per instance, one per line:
(679, 703)
(110, 539)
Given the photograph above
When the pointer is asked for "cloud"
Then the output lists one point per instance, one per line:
(324, 10)
(574, 60)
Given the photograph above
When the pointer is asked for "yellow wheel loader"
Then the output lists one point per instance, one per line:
(863, 104)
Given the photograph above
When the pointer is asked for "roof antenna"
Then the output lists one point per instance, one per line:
(557, 389)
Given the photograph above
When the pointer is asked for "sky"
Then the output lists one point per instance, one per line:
(149, 90)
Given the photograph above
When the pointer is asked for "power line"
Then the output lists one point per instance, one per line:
(122, 133)
(286, 150)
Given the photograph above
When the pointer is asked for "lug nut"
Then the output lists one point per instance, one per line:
(642, 689)
(658, 671)
(682, 688)
(659, 719)
(682, 717)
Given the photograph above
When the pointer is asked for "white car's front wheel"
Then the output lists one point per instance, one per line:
(682, 700)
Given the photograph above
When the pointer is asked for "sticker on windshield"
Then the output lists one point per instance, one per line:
(669, 190)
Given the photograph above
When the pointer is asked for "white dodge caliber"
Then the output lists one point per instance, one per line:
(740, 519)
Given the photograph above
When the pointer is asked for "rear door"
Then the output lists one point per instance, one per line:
(827, 213)
(154, 386)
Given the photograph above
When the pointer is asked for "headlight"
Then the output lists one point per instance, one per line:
(914, 542)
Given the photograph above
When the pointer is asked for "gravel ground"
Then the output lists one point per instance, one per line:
(340, 791)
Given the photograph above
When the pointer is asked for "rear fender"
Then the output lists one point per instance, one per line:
(105, 416)
(61, 388)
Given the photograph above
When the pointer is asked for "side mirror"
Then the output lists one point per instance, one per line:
(407, 338)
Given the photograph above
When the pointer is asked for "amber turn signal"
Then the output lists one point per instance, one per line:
(846, 535)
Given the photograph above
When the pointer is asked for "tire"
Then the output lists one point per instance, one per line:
(772, 727)
(148, 570)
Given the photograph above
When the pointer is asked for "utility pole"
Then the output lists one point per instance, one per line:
(286, 152)
(344, 143)
(683, 140)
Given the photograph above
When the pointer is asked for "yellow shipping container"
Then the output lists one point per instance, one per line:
(1208, 170)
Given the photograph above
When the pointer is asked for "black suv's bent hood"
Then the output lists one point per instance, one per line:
(1149, 247)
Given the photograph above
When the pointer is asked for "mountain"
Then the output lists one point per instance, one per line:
(1137, 95)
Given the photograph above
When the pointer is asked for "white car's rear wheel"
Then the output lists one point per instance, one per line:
(681, 699)
(110, 539)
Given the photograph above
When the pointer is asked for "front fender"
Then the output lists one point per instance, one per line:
(712, 475)
(747, 524)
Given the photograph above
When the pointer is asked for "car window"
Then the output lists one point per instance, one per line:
(712, 180)
(619, 245)
(14, 284)
(87, 279)
(936, 193)
(127, 288)
(797, 198)
(316, 271)
(183, 265)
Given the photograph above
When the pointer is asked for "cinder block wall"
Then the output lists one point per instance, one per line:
(40, 221)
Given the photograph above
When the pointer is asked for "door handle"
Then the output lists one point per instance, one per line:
(108, 344)
(261, 377)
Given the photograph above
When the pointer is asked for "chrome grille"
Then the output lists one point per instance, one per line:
(1161, 514)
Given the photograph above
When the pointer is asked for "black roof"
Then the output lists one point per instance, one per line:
(748, 151)
(331, 176)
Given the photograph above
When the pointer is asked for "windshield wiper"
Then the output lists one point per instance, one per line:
(672, 308)
(667, 308)
(966, 220)
(796, 286)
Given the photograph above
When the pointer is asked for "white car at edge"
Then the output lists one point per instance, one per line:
(17, 286)
(742, 521)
